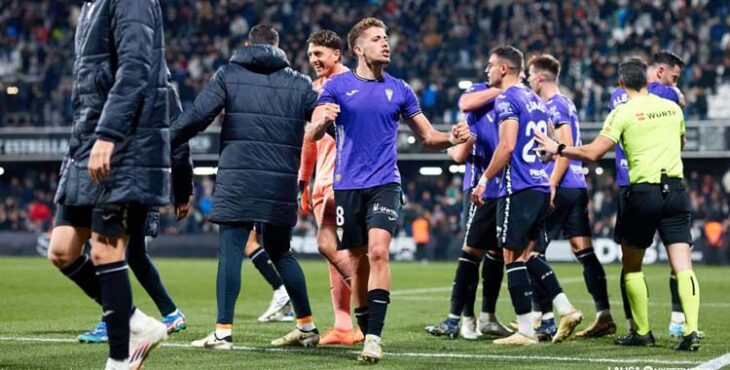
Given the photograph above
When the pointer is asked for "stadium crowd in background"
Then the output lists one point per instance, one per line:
(436, 44)
(26, 205)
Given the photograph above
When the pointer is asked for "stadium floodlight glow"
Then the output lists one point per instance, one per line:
(431, 171)
(2, 171)
(465, 84)
(457, 168)
(599, 171)
(12, 90)
(411, 140)
(205, 171)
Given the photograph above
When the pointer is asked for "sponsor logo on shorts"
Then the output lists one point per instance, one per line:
(392, 214)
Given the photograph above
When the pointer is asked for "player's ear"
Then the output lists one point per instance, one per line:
(357, 50)
(338, 54)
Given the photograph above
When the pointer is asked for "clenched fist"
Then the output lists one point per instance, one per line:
(330, 112)
(459, 133)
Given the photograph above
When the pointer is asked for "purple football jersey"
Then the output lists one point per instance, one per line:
(367, 127)
(476, 162)
(620, 97)
(563, 111)
(485, 127)
(525, 170)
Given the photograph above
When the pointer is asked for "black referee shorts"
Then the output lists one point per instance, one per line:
(481, 226)
(521, 218)
(360, 210)
(647, 210)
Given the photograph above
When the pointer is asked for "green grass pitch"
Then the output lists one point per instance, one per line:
(41, 312)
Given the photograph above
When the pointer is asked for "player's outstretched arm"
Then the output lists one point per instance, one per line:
(503, 153)
(472, 101)
(324, 115)
(460, 153)
(433, 139)
(205, 109)
(565, 136)
(589, 153)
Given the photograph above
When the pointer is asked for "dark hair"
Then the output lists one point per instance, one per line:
(547, 63)
(669, 58)
(326, 38)
(632, 73)
(512, 55)
(263, 34)
(359, 28)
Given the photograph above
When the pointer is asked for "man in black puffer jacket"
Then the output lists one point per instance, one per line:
(118, 162)
(267, 105)
(138, 258)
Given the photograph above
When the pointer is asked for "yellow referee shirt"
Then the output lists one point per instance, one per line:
(650, 130)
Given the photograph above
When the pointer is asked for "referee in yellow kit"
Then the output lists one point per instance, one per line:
(651, 131)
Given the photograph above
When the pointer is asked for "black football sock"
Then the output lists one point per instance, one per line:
(378, 300)
(116, 297)
(82, 272)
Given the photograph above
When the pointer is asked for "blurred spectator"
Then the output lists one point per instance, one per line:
(430, 215)
(421, 235)
(435, 43)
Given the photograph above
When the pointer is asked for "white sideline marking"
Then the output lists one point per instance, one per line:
(715, 363)
(419, 354)
(710, 305)
(572, 280)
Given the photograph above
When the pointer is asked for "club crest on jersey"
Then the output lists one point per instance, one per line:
(389, 94)
(504, 107)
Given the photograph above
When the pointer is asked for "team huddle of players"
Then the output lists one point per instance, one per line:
(516, 198)
(566, 214)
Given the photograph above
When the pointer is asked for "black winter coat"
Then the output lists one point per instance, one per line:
(267, 105)
(119, 94)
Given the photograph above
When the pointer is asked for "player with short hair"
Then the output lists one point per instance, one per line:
(569, 198)
(663, 75)
(523, 196)
(325, 56)
(366, 105)
(651, 131)
(480, 238)
(266, 107)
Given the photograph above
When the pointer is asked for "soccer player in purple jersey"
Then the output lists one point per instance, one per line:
(663, 75)
(480, 235)
(524, 194)
(569, 197)
(365, 106)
